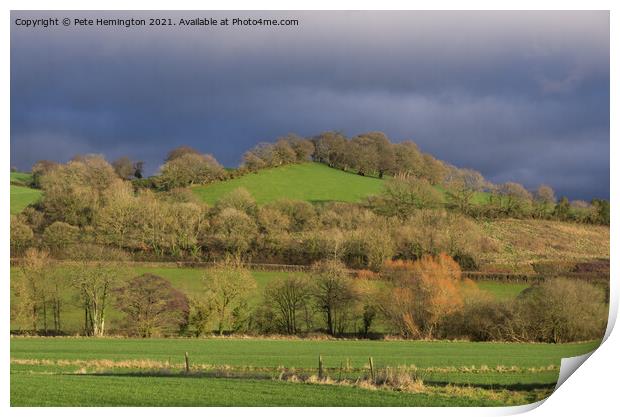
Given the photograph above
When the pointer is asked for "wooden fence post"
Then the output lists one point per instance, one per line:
(186, 362)
(320, 367)
(372, 368)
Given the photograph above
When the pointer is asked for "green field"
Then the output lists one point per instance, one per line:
(74, 371)
(22, 197)
(311, 182)
(21, 178)
(502, 290)
(190, 281)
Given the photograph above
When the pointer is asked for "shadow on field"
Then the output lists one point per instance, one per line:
(508, 386)
(265, 376)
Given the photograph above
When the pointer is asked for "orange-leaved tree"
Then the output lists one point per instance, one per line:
(423, 293)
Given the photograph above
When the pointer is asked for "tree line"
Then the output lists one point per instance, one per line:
(423, 299)
(416, 179)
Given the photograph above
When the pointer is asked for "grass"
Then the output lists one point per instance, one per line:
(523, 242)
(470, 379)
(300, 353)
(107, 390)
(502, 290)
(313, 182)
(21, 178)
(21, 197)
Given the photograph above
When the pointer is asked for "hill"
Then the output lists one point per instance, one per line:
(21, 193)
(313, 182)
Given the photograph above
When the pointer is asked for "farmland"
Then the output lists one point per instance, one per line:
(81, 371)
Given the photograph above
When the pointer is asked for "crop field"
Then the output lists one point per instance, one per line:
(311, 182)
(190, 281)
(253, 371)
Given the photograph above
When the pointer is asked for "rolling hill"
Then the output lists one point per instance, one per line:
(311, 182)
(21, 194)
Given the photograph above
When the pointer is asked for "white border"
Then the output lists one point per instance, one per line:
(591, 390)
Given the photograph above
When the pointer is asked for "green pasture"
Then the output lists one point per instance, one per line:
(21, 197)
(57, 384)
(313, 182)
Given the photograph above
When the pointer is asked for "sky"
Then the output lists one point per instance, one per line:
(518, 96)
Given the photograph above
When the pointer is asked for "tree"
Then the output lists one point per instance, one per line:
(424, 292)
(408, 159)
(180, 151)
(545, 200)
(138, 169)
(227, 289)
(462, 185)
(60, 235)
(363, 155)
(515, 199)
(434, 170)
(562, 209)
(200, 315)
(404, 194)
(303, 148)
(124, 168)
(116, 221)
(29, 288)
(73, 192)
(384, 151)
(334, 294)
(289, 299)
(283, 153)
(239, 199)
(189, 169)
(561, 310)
(95, 273)
(21, 235)
(39, 291)
(233, 230)
(331, 148)
(152, 306)
(301, 214)
(41, 168)
(602, 210)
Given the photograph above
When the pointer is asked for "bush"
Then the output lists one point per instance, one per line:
(21, 235)
(562, 310)
(59, 235)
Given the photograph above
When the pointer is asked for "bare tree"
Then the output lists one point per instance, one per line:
(152, 306)
(334, 293)
(95, 273)
(289, 298)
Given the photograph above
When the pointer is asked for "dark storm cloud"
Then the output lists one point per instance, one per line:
(520, 96)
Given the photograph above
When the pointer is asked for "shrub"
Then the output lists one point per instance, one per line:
(59, 235)
(21, 235)
(561, 310)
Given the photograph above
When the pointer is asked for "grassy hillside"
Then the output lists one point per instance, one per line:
(21, 178)
(527, 241)
(21, 193)
(22, 197)
(311, 182)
